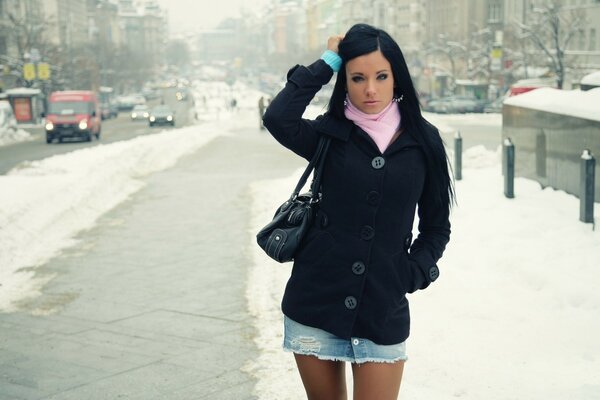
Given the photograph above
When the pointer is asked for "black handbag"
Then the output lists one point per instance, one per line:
(282, 237)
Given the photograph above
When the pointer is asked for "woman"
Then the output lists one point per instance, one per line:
(345, 300)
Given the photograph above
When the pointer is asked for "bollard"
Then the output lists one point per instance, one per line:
(458, 156)
(508, 168)
(586, 195)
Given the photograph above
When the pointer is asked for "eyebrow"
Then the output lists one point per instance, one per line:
(360, 73)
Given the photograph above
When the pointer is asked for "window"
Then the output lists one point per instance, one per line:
(495, 12)
(581, 44)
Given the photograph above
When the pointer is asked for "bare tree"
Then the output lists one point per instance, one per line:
(551, 30)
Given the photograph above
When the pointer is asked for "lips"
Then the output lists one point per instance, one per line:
(371, 102)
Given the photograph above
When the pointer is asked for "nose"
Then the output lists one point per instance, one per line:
(370, 89)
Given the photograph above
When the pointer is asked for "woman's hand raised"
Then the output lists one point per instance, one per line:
(333, 42)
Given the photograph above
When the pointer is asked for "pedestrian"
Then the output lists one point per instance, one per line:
(261, 112)
(346, 298)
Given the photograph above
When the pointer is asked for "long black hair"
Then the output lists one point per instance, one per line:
(362, 39)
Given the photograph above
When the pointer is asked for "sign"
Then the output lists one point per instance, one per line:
(22, 109)
(43, 71)
(496, 58)
(29, 71)
(34, 55)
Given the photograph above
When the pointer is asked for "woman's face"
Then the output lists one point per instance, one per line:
(370, 82)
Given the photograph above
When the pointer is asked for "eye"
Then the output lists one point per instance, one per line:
(382, 77)
(357, 78)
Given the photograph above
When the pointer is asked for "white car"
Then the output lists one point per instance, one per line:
(140, 112)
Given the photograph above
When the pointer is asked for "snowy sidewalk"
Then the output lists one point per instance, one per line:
(149, 303)
(514, 314)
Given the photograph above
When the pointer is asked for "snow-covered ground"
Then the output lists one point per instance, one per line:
(10, 136)
(514, 314)
(46, 203)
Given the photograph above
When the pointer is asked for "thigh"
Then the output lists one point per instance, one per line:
(322, 379)
(377, 381)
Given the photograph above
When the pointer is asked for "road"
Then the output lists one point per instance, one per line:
(113, 130)
(474, 133)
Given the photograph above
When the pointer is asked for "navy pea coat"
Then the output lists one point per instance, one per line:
(358, 260)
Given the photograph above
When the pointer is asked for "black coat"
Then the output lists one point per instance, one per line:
(358, 260)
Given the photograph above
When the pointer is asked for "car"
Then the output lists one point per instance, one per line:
(161, 115)
(456, 104)
(494, 106)
(108, 110)
(140, 112)
(182, 94)
(73, 114)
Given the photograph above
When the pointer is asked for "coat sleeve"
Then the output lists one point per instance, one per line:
(283, 117)
(434, 234)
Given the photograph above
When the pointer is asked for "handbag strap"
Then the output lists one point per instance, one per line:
(317, 162)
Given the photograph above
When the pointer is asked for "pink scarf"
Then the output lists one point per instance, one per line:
(381, 127)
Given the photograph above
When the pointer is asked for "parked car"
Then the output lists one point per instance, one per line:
(109, 110)
(140, 112)
(494, 106)
(161, 115)
(72, 114)
(456, 104)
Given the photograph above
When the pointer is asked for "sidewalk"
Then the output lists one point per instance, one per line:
(150, 304)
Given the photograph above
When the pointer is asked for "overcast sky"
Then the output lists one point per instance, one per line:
(197, 15)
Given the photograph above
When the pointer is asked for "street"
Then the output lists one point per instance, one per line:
(113, 130)
(150, 304)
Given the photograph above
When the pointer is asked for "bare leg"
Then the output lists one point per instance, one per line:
(377, 381)
(322, 379)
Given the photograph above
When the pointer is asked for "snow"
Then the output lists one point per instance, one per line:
(591, 79)
(575, 103)
(54, 199)
(514, 314)
(22, 91)
(11, 136)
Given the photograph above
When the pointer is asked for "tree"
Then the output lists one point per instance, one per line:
(551, 30)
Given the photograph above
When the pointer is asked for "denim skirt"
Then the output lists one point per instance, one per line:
(306, 340)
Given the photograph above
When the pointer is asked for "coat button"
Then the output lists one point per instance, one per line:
(378, 162)
(434, 272)
(367, 232)
(373, 198)
(358, 268)
(350, 302)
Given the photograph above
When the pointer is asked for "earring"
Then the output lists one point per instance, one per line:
(345, 102)
(398, 99)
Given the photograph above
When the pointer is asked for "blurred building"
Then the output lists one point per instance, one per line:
(68, 23)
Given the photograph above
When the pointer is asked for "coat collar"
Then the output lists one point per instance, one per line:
(342, 129)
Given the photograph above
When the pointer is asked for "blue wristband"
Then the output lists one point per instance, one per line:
(332, 59)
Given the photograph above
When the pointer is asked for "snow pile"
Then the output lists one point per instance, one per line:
(514, 314)
(53, 199)
(575, 103)
(10, 136)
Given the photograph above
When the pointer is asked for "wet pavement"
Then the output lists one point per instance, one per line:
(150, 304)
